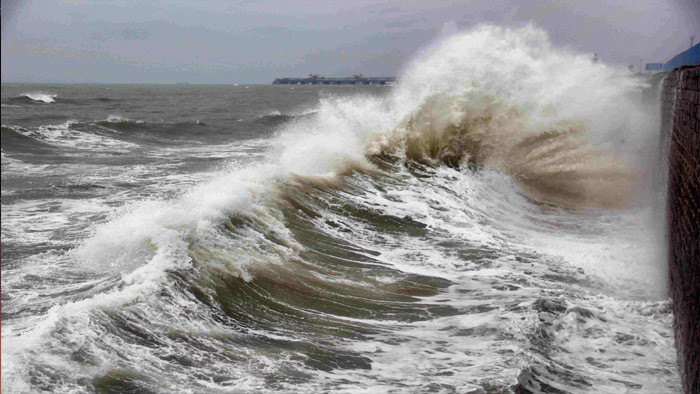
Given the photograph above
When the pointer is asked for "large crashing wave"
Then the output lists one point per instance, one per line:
(508, 99)
(564, 128)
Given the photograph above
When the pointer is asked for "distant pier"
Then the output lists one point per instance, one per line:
(315, 79)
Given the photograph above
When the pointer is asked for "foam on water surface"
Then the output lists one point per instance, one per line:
(455, 234)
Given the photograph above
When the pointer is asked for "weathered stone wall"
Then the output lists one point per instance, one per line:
(680, 117)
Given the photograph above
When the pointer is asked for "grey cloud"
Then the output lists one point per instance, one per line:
(390, 10)
(128, 34)
(211, 41)
(135, 34)
(397, 24)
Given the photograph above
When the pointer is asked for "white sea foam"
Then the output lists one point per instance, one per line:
(518, 65)
(148, 238)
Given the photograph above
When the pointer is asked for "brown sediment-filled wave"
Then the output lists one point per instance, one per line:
(552, 161)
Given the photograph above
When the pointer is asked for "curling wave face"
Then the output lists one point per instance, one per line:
(384, 243)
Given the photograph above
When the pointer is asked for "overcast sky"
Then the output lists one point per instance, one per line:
(206, 41)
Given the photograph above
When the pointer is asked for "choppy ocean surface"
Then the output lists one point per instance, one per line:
(490, 224)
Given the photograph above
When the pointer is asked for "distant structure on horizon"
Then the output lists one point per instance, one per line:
(315, 79)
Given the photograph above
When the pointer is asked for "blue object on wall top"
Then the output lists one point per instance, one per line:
(690, 57)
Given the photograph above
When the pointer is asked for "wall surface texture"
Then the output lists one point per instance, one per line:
(680, 123)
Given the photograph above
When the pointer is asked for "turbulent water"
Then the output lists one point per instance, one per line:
(488, 224)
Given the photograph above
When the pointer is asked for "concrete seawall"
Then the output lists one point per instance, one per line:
(680, 126)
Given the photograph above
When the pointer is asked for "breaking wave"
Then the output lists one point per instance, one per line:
(51, 98)
(115, 134)
(368, 214)
(66, 135)
(43, 97)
